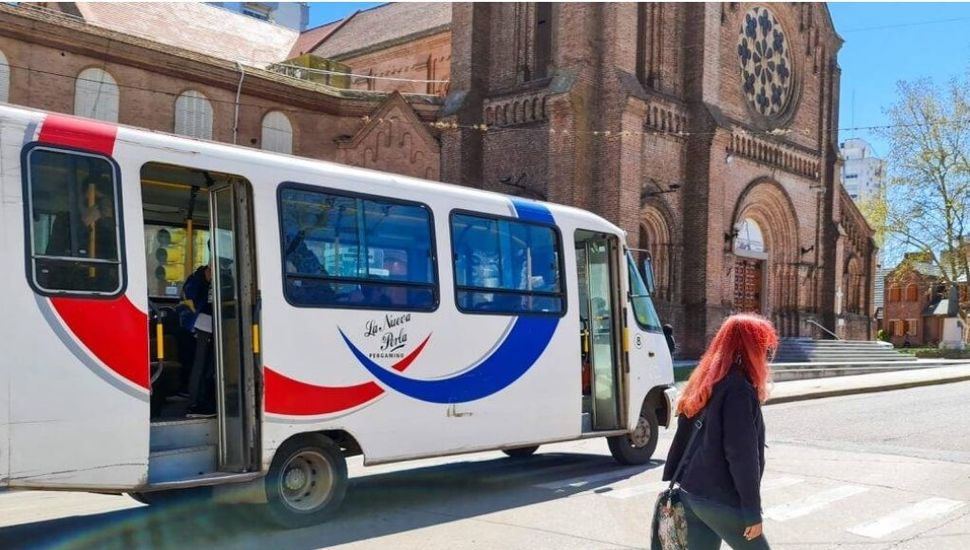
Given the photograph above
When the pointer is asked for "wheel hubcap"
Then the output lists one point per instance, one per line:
(295, 479)
(307, 481)
(641, 435)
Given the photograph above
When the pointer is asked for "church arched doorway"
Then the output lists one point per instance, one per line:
(750, 254)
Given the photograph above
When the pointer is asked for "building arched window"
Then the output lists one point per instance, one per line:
(749, 237)
(4, 79)
(277, 133)
(96, 95)
(193, 115)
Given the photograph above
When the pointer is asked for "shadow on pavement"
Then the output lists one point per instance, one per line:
(376, 505)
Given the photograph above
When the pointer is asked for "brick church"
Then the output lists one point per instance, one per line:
(708, 131)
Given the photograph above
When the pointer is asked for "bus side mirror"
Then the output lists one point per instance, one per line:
(648, 275)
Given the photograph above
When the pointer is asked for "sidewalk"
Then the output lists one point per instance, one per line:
(814, 388)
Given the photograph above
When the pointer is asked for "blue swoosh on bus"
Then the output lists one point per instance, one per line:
(523, 345)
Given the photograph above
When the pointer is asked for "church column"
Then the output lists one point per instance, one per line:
(461, 149)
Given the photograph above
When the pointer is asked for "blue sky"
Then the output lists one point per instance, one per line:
(887, 43)
(884, 43)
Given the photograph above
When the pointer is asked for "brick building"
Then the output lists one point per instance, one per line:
(707, 131)
(202, 71)
(917, 300)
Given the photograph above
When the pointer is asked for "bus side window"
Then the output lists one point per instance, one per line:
(356, 251)
(506, 266)
(74, 229)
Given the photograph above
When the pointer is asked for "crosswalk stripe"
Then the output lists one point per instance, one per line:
(811, 503)
(779, 482)
(657, 486)
(582, 481)
(904, 517)
(637, 490)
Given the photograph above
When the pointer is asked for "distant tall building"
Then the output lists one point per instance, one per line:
(295, 15)
(863, 173)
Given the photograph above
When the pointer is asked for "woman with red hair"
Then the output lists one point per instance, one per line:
(720, 481)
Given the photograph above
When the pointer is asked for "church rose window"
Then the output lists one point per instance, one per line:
(766, 69)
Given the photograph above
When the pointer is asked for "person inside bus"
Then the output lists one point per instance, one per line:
(93, 235)
(198, 293)
(300, 260)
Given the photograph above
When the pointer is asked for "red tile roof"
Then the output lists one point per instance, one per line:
(196, 26)
(387, 23)
(311, 38)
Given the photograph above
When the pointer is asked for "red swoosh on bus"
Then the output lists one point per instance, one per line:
(285, 395)
(113, 330)
(78, 133)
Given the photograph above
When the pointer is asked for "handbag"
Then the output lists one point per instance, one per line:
(669, 527)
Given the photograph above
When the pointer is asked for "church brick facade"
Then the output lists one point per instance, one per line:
(707, 131)
(660, 117)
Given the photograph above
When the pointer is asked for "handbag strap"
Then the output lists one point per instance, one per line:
(688, 450)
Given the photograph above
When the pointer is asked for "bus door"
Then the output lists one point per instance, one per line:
(236, 335)
(600, 328)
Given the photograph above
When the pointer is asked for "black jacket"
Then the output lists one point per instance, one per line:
(729, 452)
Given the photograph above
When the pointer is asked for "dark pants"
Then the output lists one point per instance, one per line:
(709, 523)
(186, 353)
(202, 387)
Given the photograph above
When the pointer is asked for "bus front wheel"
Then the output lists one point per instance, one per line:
(306, 482)
(638, 446)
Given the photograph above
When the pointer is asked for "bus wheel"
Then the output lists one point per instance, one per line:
(521, 452)
(637, 447)
(306, 482)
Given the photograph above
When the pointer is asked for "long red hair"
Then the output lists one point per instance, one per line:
(742, 342)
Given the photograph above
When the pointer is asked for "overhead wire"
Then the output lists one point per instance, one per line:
(541, 129)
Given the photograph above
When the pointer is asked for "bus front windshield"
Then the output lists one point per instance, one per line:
(643, 308)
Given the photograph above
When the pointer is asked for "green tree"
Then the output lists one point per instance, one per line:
(927, 200)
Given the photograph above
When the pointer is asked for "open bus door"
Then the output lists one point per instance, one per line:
(600, 310)
(236, 333)
(207, 219)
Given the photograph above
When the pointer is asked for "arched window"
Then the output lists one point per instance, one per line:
(96, 95)
(4, 79)
(193, 115)
(277, 133)
(749, 237)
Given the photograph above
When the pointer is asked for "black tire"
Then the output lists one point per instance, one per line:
(634, 448)
(521, 452)
(309, 461)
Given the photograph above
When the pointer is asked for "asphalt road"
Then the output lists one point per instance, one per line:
(926, 422)
(878, 471)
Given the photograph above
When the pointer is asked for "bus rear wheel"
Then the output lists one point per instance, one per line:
(307, 481)
(521, 452)
(637, 447)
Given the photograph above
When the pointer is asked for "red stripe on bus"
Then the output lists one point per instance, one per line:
(113, 330)
(285, 395)
(79, 133)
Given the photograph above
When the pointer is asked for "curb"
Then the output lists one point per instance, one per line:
(866, 389)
